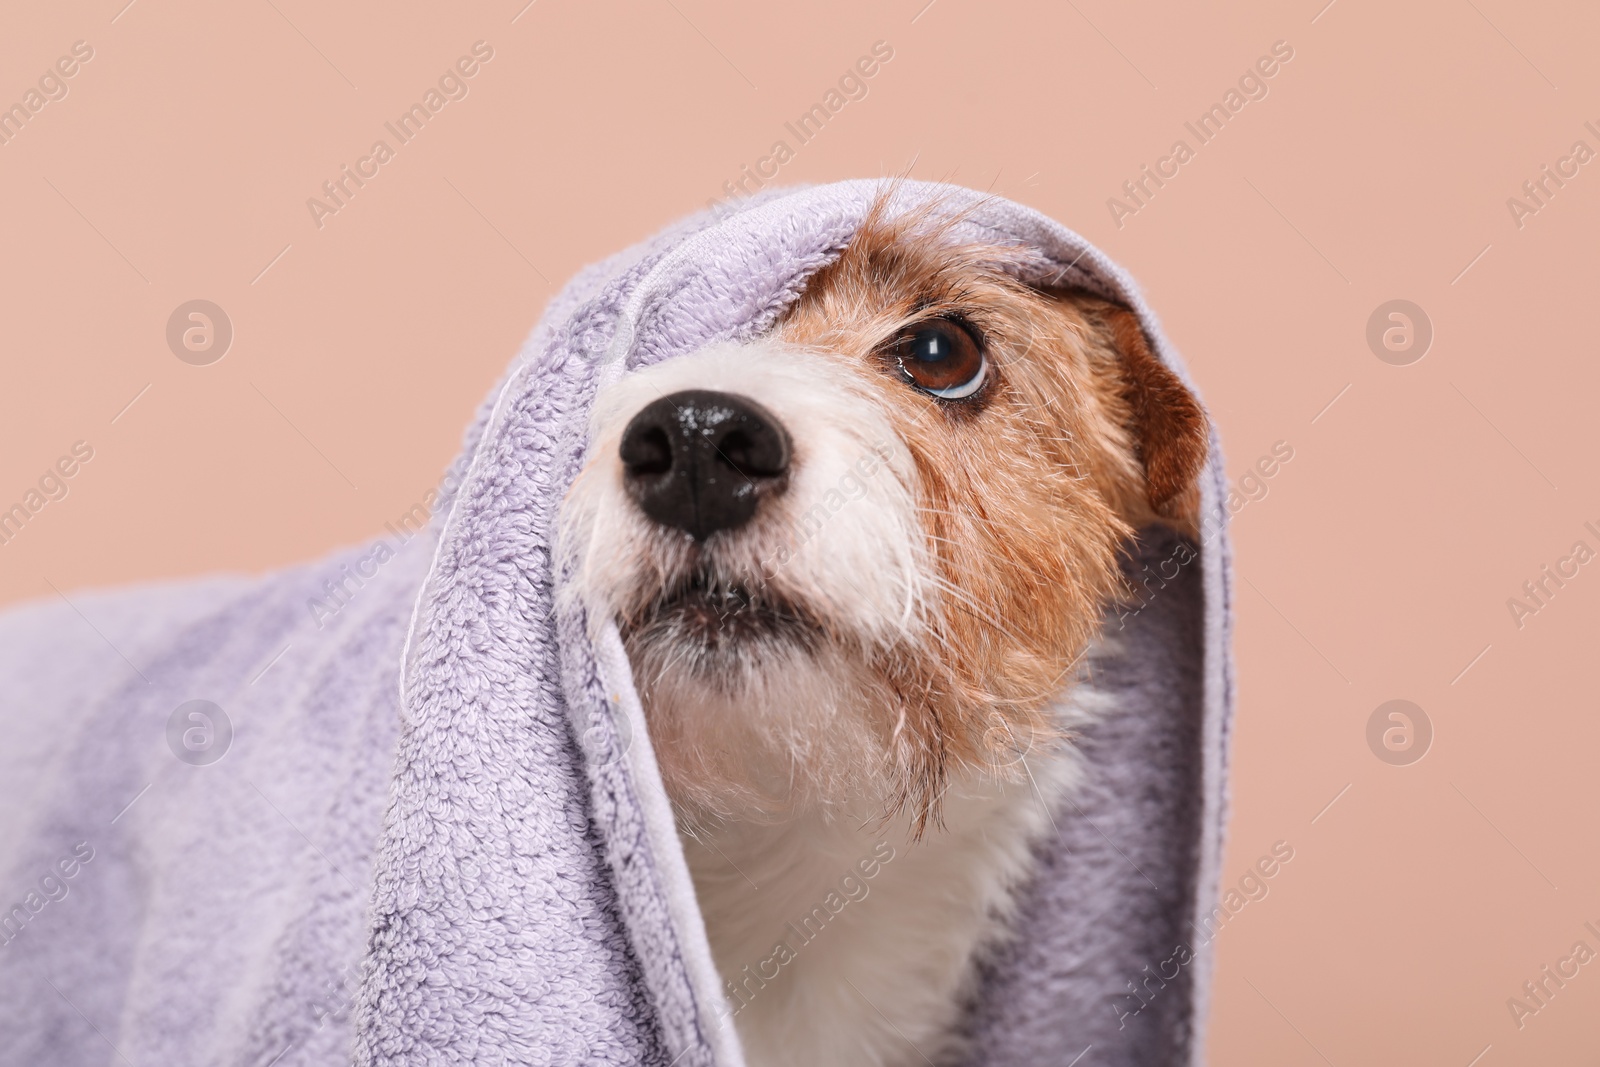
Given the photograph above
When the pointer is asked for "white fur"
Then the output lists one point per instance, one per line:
(860, 559)
(883, 977)
(882, 983)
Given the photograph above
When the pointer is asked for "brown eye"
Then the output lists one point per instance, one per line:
(942, 358)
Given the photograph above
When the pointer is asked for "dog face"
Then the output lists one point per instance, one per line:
(869, 550)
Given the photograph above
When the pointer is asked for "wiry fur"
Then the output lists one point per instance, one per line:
(880, 982)
(882, 652)
(825, 595)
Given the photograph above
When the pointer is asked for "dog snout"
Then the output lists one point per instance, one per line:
(700, 461)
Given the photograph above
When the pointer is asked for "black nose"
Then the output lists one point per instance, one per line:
(700, 461)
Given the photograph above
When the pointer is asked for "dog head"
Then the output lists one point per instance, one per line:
(868, 550)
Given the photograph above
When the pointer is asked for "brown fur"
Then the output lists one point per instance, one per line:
(1029, 488)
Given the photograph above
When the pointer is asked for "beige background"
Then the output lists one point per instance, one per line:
(1377, 567)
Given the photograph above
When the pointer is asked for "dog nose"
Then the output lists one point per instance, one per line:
(700, 461)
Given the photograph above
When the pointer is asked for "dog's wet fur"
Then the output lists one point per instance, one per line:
(893, 646)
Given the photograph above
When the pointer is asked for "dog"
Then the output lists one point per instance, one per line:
(860, 565)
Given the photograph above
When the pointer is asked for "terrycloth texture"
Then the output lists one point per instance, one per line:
(439, 835)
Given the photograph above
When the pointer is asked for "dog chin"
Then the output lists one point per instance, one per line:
(754, 714)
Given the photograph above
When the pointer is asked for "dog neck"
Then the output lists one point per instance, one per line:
(845, 939)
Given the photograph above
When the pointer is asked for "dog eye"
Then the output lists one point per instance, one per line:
(942, 358)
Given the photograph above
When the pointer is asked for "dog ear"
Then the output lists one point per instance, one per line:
(1169, 426)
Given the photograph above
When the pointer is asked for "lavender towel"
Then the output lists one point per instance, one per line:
(418, 821)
